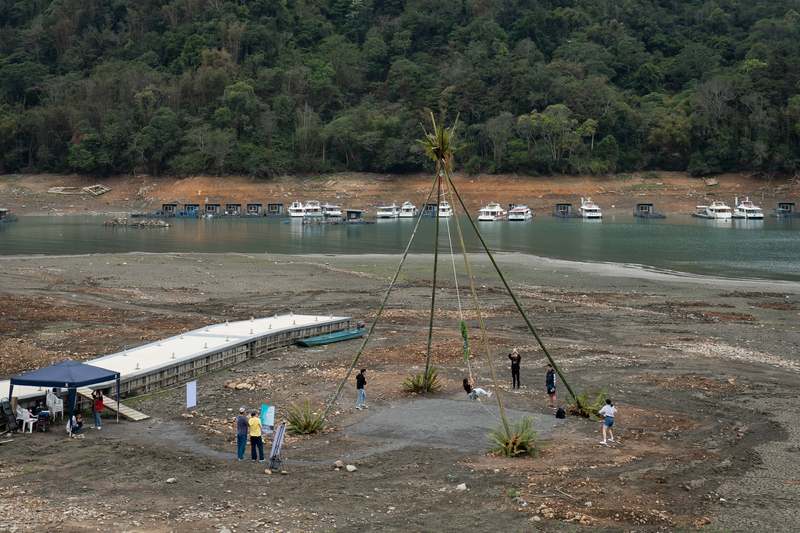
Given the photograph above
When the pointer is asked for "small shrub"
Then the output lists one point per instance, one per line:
(301, 420)
(416, 382)
(590, 402)
(522, 440)
(512, 493)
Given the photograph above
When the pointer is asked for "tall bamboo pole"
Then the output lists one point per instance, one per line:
(433, 288)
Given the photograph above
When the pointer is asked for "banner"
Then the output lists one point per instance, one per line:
(268, 419)
(191, 394)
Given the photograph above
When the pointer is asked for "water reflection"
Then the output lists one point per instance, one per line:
(766, 248)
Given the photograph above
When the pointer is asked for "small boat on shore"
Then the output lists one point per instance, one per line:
(520, 212)
(492, 212)
(589, 209)
(388, 211)
(297, 209)
(748, 210)
(717, 210)
(408, 210)
(354, 333)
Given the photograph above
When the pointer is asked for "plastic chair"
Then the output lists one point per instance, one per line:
(55, 405)
(26, 419)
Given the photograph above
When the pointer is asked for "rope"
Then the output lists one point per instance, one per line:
(458, 298)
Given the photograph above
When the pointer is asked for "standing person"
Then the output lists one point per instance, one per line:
(550, 383)
(255, 436)
(97, 406)
(608, 411)
(242, 427)
(515, 359)
(361, 380)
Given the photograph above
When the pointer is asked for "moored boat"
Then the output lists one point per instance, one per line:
(408, 210)
(492, 212)
(520, 212)
(331, 210)
(297, 209)
(589, 209)
(388, 211)
(748, 210)
(354, 333)
(445, 211)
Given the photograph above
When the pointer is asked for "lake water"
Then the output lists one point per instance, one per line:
(746, 249)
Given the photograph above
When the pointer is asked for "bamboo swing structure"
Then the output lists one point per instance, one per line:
(439, 147)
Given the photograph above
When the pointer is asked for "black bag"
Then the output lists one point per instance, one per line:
(561, 413)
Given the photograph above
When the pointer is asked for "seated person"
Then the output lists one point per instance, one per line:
(75, 424)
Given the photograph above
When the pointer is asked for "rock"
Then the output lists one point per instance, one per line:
(172, 480)
(588, 504)
(284, 473)
(268, 472)
(338, 464)
(463, 486)
(351, 468)
(224, 530)
(240, 386)
(535, 518)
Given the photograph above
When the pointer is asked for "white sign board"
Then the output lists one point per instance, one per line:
(191, 394)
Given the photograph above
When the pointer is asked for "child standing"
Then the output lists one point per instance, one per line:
(608, 411)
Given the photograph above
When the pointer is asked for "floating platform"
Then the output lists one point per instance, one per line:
(185, 357)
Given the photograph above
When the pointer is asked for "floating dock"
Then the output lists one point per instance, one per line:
(185, 357)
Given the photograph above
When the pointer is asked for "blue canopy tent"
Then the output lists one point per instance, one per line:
(67, 375)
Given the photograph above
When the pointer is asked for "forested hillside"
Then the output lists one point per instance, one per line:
(265, 87)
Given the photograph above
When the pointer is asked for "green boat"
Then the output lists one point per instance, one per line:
(354, 333)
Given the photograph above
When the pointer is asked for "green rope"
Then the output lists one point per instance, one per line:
(513, 297)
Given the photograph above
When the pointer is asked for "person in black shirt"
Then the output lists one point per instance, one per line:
(361, 380)
(515, 359)
(550, 383)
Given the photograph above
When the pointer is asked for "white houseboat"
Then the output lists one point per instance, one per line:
(388, 211)
(297, 209)
(748, 209)
(589, 209)
(492, 212)
(408, 210)
(520, 212)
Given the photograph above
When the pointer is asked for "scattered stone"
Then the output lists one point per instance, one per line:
(351, 468)
(284, 473)
(172, 480)
(535, 518)
(463, 486)
(338, 464)
(268, 471)
(519, 501)
(588, 504)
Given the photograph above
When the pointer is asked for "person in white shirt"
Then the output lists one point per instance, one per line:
(608, 411)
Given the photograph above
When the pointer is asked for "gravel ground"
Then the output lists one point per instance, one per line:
(703, 370)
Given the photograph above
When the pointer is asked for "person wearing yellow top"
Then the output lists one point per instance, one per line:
(255, 436)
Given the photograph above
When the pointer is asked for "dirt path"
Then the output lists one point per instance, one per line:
(704, 373)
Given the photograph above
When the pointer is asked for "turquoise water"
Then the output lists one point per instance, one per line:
(768, 249)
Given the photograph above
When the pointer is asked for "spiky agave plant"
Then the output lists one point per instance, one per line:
(520, 440)
(440, 146)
